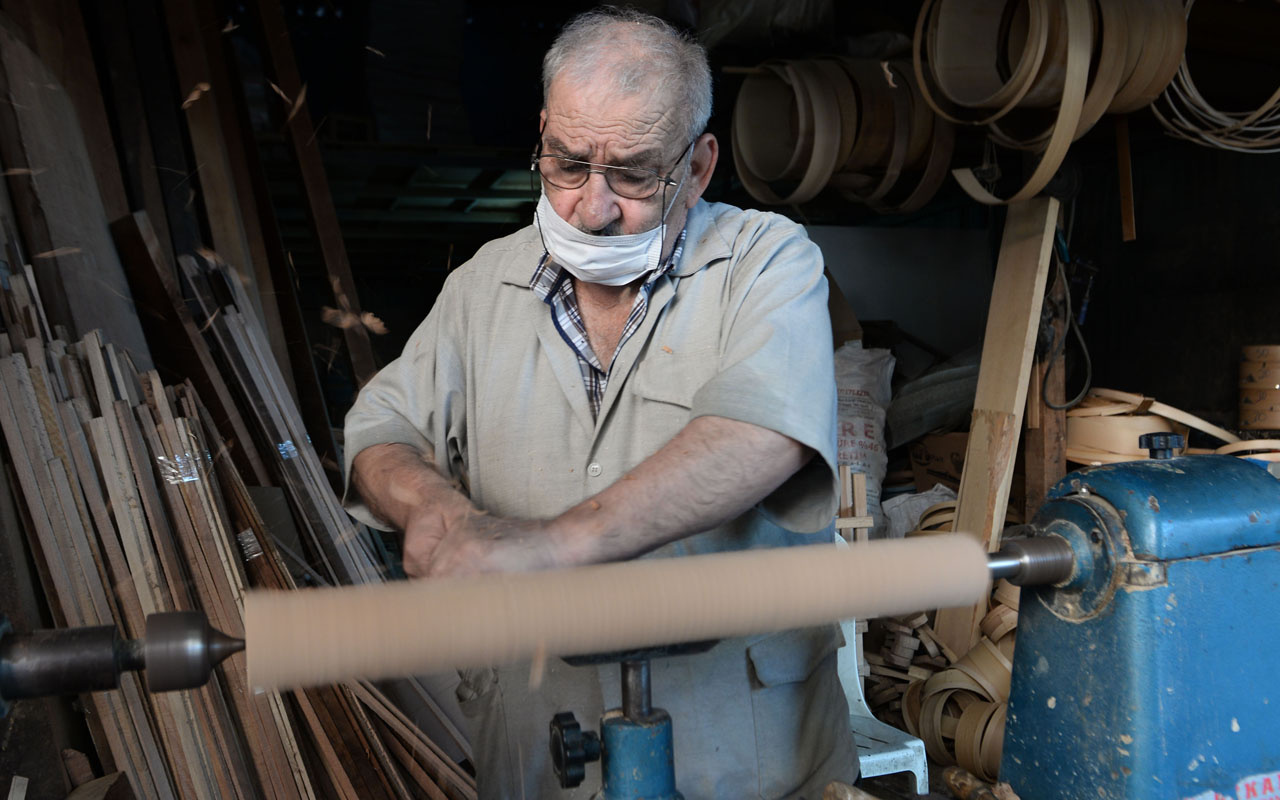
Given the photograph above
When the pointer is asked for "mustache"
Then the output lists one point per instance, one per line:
(612, 229)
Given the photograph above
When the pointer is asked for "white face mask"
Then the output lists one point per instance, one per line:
(608, 260)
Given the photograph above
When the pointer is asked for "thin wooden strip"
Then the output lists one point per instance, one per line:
(420, 778)
(333, 765)
(20, 438)
(359, 721)
(442, 766)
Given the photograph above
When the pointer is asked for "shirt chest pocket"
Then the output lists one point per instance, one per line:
(672, 379)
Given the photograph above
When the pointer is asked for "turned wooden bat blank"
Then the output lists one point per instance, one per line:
(321, 636)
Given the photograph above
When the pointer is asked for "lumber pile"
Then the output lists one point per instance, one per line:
(132, 485)
(131, 506)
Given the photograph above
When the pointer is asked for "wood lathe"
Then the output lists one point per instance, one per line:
(1142, 668)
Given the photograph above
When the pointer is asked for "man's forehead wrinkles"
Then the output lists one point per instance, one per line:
(620, 142)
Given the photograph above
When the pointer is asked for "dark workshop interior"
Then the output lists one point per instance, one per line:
(219, 219)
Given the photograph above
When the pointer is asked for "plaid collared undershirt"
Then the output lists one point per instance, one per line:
(551, 285)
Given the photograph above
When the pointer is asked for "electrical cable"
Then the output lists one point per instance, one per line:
(1060, 342)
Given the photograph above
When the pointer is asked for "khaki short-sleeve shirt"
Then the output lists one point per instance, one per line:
(738, 329)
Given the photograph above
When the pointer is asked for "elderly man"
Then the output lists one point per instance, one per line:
(638, 373)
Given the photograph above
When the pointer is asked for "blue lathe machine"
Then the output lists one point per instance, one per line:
(1148, 633)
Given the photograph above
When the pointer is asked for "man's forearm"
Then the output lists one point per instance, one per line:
(709, 473)
(397, 481)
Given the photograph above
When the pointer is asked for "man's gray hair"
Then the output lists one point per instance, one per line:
(603, 42)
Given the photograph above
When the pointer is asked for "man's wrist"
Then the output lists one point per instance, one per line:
(580, 534)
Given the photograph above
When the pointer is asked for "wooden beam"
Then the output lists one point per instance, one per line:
(319, 201)
(1012, 325)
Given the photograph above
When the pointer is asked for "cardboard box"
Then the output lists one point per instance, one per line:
(939, 458)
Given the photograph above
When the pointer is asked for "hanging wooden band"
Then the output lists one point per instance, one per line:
(818, 119)
(1111, 28)
(875, 115)
(1079, 44)
(1137, 20)
(1166, 44)
(1194, 119)
(766, 100)
(970, 50)
(847, 101)
(873, 81)
(1148, 36)
(922, 117)
(941, 147)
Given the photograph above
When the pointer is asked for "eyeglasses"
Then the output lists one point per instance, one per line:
(633, 183)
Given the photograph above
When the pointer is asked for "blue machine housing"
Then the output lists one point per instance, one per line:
(1151, 672)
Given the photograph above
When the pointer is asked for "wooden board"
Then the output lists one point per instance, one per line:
(58, 209)
(1007, 349)
(57, 34)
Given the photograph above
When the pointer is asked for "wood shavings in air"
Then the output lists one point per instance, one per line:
(297, 104)
(538, 667)
(344, 319)
(22, 171)
(372, 322)
(888, 74)
(375, 51)
(57, 251)
(230, 26)
(286, 98)
(196, 94)
(666, 349)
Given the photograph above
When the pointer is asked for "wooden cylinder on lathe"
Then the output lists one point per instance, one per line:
(322, 636)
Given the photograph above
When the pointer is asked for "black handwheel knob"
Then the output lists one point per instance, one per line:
(572, 749)
(1160, 445)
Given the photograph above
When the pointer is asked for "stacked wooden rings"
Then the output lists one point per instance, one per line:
(959, 712)
(988, 58)
(1260, 388)
(858, 125)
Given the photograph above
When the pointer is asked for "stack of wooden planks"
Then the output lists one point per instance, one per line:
(131, 506)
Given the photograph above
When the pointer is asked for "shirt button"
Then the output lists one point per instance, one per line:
(594, 470)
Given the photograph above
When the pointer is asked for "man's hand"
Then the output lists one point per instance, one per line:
(474, 543)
